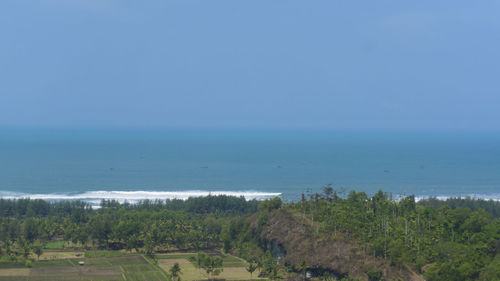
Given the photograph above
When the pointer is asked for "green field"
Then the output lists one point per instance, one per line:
(234, 268)
(55, 245)
(111, 268)
(117, 266)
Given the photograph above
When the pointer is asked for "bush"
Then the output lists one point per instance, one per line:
(270, 204)
(374, 275)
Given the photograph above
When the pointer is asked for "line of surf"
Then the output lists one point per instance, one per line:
(135, 196)
(493, 197)
(138, 195)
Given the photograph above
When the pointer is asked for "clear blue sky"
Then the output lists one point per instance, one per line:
(332, 64)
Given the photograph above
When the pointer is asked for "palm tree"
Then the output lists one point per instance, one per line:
(198, 260)
(251, 267)
(327, 190)
(149, 246)
(38, 250)
(213, 266)
(175, 272)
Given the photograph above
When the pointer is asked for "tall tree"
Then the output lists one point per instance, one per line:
(175, 272)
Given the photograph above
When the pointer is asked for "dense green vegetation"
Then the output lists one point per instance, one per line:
(443, 240)
(211, 265)
(457, 239)
(490, 206)
(452, 241)
(150, 226)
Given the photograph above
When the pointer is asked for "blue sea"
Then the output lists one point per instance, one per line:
(131, 165)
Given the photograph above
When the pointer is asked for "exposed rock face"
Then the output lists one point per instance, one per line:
(294, 239)
(277, 250)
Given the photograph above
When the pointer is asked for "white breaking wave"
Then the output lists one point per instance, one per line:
(136, 196)
(95, 197)
(494, 197)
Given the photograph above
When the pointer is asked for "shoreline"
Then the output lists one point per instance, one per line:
(94, 198)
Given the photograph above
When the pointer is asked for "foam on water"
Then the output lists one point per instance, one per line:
(94, 197)
(494, 197)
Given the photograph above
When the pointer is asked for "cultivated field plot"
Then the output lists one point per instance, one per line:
(56, 255)
(234, 268)
(130, 268)
(14, 273)
(189, 271)
(111, 273)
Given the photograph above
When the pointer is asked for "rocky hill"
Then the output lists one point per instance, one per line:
(295, 239)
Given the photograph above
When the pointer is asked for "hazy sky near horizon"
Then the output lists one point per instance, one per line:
(326, 64)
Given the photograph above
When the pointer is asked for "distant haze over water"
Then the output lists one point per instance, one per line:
(130, 165)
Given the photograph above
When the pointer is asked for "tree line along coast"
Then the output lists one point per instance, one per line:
(331, 235)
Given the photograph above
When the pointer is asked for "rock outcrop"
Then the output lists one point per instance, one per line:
(295, 239)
